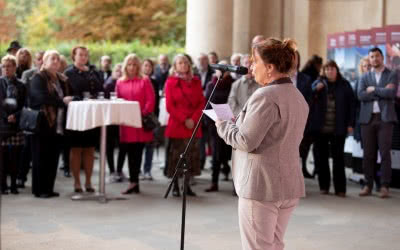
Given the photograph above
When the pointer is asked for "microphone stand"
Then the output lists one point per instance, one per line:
(182, 165)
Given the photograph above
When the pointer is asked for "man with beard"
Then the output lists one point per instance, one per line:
(377, 92)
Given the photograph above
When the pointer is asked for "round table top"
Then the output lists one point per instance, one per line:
(89, 114)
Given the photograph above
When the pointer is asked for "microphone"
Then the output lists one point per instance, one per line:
(235, 69)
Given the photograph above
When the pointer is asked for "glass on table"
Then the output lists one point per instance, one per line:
(100, 96)
(113, 95)
(86, 96)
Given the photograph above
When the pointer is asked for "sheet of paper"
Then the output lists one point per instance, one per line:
(223, 111)
(211, 113)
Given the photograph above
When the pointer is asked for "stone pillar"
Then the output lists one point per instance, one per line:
(241, 26)
(209, 27)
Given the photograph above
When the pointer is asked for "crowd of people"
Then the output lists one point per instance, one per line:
(336, 110)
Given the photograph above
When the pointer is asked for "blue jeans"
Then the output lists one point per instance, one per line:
(148, 157)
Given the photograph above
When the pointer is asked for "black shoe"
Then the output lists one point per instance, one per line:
(90, 190)
(4, 192)
(54, 194)
(67, 174)
(190, 192)
(78, 190)
(135, 189)
(14, 191)
(44, 196)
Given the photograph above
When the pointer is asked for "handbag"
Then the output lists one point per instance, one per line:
(150, 122)
(30, 120)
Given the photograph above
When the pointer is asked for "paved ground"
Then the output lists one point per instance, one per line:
(147, 221)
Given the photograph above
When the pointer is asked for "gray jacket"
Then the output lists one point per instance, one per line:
(265, 140)
(384, 96)
(28, 75)
(241, 91)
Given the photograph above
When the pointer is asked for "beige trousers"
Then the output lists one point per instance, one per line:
(263, 224)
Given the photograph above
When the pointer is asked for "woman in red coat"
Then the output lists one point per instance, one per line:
(133, 87)
(185, 102)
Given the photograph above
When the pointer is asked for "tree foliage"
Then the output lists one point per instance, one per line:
(157, 21)
(8, 26)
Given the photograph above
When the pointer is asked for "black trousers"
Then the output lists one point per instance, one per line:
(45, 154)
(26, 159)
(65, 150)
(221, 155)
(377, 134)
(112, 143)
(135, 152)
(325, 145)
(121, 158)
(305, 145)
(10, 161)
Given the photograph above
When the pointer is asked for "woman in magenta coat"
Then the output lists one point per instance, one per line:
(185, 102)
(133, 87)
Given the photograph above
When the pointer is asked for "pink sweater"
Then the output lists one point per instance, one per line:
(140, 90)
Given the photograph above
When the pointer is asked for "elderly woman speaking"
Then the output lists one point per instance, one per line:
(265, 138)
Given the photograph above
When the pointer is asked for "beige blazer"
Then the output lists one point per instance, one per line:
(265, 139)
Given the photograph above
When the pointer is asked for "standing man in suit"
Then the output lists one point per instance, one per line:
(161, 71)
(303, 84)
(204, 70)
(377, 92)
(242, 88)
(205, 73)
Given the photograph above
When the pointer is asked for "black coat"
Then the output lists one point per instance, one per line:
(304, 86)
(18, 94)
(345, 106)
(40, 98)
(160, 76)
(84, 81)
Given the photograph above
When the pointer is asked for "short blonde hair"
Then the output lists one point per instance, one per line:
(360, 69)
(47, 55)
(9, 58)
(173, 68)
(24, 50)
(135, 58)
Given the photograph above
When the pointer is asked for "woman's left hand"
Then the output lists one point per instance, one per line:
(218, 123)
(12, 119)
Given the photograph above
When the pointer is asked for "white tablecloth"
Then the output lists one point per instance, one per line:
(164, 115)
(84, 115)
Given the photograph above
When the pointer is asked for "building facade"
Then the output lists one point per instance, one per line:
(227, 26)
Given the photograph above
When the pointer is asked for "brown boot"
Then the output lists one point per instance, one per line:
(384, 192)
(366, 191)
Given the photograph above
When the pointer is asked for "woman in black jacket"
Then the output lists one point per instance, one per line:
(49, 93)
(221, 152)
(12, 94)
(83, 77)
(331, 119)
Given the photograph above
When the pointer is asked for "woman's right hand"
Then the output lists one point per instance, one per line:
(67, 99)
(189, 123)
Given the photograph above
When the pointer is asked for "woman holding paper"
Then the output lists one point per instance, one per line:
(265, 140)
(185, 102)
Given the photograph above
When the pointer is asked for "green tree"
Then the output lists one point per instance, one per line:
(8, 26)
(124, 20)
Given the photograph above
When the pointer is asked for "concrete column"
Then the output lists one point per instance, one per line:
(241, 26)
(209, 27)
